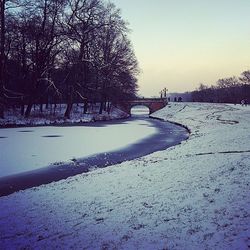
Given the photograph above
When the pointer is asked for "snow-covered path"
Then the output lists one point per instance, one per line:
(191, 196)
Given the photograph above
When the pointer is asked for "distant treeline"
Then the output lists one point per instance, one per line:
(64, 51)
(226, 90)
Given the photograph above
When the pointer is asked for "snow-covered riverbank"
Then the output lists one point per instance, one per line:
(54, 115)
(191, 196)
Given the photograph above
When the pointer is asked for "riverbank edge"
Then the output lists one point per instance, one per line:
(176, 123)
(15, 120)
(64, 123)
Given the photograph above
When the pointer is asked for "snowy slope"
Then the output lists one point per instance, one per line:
(191, 196)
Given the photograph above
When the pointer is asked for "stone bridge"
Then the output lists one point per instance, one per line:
(153, 104)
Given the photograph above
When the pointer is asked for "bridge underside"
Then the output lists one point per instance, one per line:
(153, 104)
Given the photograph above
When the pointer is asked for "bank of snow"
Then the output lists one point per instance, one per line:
(54, 115)
(191, 196)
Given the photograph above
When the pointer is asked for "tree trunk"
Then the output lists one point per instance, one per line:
(22, 109)
(28, 109)
(41, 107)
(109, 107)
(1, 104)
(2, 57)
(69, 102)
(101, 107)
(85, 108)
(68, 110)
(54, 108)
(104, 106)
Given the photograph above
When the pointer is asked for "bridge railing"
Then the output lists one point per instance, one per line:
(144, 100)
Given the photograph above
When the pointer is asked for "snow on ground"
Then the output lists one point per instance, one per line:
(191, 196)
(53, 116)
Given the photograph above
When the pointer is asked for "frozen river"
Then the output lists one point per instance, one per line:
(24, 149)
(37, 155)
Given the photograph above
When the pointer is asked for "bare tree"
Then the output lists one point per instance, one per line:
(5, 5)
(113, 57)
(228, 82)
(78, 48)
(2, 56)
(43, 38)
(83, 20)
(245, 77)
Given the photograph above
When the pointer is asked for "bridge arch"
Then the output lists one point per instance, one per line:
(139, 109)
(153, 104)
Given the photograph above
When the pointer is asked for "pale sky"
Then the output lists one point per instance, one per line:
(181, 43)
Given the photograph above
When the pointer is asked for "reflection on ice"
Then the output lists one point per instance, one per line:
(140, 110)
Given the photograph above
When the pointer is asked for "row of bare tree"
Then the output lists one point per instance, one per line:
(227, 90)
(64, 51)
